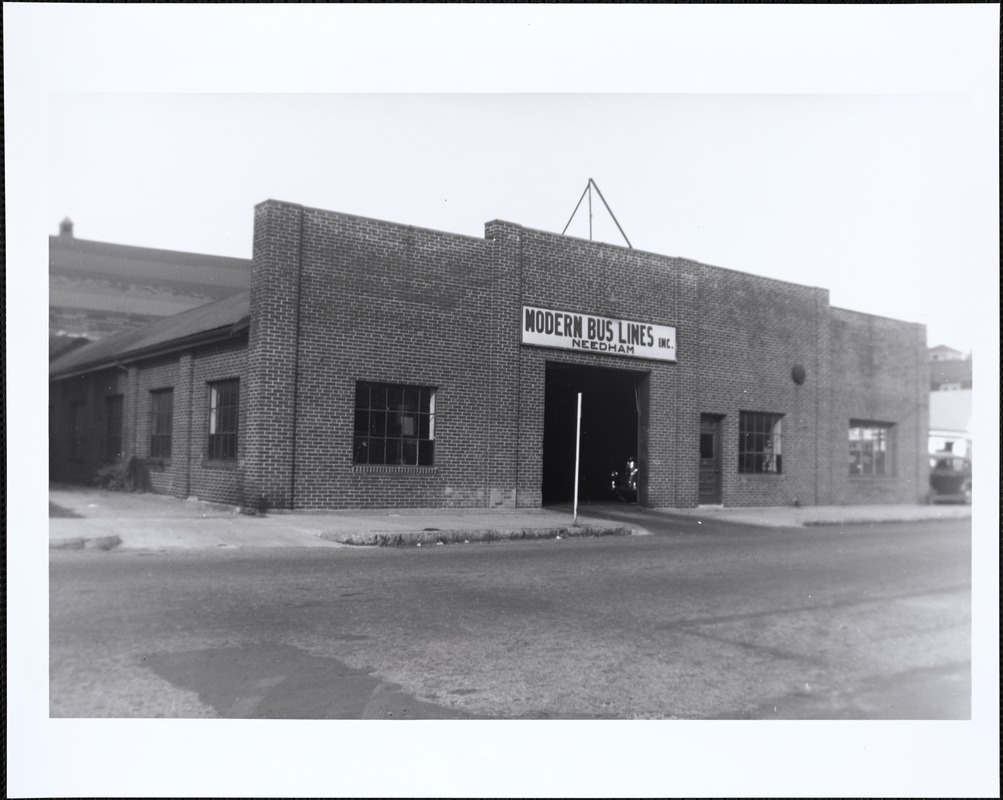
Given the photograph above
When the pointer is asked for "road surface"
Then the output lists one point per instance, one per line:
(695, 621)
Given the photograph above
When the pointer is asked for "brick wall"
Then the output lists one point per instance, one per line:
(566, 273)
(273, 355)
(738, 338)
(506, 485)
(750, 334)
(78, 465)
(384, 303)
(163, 373)
(337, 299)
(880, 374)
(219, 481)
(187, 472)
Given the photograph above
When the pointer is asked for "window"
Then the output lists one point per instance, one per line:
(161, 422)
(77, 429)
(113, 426)
(706, 445)
(394, 424)
(870, 448)
(224, 402)
(759, 442)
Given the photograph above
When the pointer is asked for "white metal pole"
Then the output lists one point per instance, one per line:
(578, 444)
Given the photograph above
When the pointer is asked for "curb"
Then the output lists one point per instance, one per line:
(413, 538)
(818, 523)
(81, 542)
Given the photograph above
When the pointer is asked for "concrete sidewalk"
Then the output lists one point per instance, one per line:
(90, 518)
(791, 517)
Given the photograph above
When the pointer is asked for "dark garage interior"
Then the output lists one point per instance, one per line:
(609, 430)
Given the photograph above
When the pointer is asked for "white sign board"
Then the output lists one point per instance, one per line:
(591, 334)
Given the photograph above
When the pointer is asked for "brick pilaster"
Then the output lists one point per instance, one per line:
(272, 355)
(181, 456)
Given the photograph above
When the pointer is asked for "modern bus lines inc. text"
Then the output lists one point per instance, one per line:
(573, 331)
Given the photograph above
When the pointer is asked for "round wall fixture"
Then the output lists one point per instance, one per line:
(798, 374)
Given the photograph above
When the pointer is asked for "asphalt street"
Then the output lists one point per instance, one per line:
(696, 621)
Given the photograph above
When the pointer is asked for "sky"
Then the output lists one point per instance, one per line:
(880, 199)
(851, 147)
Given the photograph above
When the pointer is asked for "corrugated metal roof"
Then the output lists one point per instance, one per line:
(60, 345)
(69, 256)
(230, 314)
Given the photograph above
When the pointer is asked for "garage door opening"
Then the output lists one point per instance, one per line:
(611, 407)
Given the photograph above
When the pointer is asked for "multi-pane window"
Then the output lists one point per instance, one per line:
(113, 426)
(224, 403)
(77, 428)
(394, 424)
(161, 422)
(870, 448)
(760, 439)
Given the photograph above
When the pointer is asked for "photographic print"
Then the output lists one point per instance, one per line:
(523, 413)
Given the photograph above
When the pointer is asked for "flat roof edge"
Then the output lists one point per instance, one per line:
(364, 218)
(877, 316)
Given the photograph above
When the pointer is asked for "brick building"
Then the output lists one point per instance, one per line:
(377, 365)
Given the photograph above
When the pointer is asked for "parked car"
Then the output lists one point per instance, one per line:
(950, 478)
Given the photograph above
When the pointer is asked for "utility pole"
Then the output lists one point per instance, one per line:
(578, 447)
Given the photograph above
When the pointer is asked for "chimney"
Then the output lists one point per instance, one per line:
(66, 228)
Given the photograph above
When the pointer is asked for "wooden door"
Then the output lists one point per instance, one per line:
(710, 460)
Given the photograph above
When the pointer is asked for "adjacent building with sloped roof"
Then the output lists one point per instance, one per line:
(97, 289)
(114, 399)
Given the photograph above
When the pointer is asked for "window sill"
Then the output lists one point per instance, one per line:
(219, 463)
(870, 478)
(393, 469)
(763, 476)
